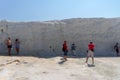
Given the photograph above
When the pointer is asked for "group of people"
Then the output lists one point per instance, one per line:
(9, 45)
(90, 51)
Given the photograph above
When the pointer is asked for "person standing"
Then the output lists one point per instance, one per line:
(17, 45)
(9, 45)
(116, 47)
(73, 49)
(90, 53)
(65, 50)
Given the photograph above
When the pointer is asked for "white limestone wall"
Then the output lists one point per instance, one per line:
(46, 38)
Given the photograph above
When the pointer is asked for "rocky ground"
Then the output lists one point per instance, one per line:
(33, 68)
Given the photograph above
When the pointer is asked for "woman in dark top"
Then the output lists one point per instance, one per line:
(116, 47)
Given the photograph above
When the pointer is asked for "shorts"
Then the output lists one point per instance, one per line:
(90, 53)
(17, 46)
(65, 53)
(9, 46)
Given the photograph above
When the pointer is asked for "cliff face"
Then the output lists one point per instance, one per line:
(46, 38)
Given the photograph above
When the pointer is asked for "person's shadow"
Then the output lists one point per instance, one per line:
(62, 61)
(90, 65)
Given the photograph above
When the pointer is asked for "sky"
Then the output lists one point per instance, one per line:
(44, 10)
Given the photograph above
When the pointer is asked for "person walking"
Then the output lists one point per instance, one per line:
(90, 52)
(65, 50)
